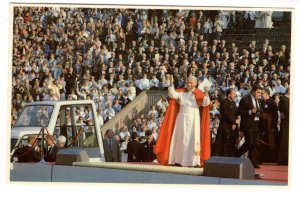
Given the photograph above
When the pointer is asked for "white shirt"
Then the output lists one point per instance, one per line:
(123, 134)
(256, 105)
(109, 113)
(144, 84)
(279, 89)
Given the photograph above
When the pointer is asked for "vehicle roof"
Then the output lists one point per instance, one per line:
(61, 102)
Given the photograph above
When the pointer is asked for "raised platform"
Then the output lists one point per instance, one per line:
(128, 173)
(273, 173)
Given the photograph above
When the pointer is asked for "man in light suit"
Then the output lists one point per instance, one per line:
(111, 147)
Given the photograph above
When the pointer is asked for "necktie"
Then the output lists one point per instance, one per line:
(257, 105)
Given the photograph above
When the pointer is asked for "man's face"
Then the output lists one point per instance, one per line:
(257, 94)
(191, 83)
(232, 95)
(265, 95)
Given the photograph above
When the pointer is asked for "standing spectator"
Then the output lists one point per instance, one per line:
(218, 27)
(268, 19)
(268, 122)
(123, 149)
(70, 81)
(146, 149)
(283, 153)
(111, 147)
(249, 19)
(208, 28)
(227, 132)
(224, 16)
(249, 109)
(133, 148)
(259, 20)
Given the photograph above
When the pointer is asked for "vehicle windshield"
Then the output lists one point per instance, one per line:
(35, 116)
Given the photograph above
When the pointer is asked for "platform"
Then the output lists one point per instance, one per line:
(128, 173)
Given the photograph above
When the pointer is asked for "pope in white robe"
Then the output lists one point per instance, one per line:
(184, 146)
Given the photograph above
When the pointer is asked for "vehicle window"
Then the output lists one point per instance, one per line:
(85, 124)
(76, 123)
(35, 116)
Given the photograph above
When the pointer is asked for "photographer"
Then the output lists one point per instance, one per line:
(249, 109)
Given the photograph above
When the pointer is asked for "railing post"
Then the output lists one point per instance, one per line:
(42, 146)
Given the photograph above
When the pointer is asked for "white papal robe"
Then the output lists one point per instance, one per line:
(186, 134)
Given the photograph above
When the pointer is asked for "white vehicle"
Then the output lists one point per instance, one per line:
(76, 120)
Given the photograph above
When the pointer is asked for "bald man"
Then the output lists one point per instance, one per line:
(181, 134)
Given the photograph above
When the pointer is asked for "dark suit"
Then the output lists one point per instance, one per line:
(132, 150)
(51, 153)
(250, 127)
(284, 131)
(269, 129)
(26, 154)
(146, 153)
(226, 136)
(112, 151)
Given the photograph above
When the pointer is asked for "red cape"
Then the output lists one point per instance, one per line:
(162, 147)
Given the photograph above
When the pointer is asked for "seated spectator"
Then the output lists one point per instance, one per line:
(162, 104)
(279, 88)
(123, 133)
(153, 111)
(117, 107)
(144, 83)
(109, 112)
(142, 132)
(214, 109)
(155, 133)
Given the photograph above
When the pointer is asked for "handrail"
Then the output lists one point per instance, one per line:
(141, 103)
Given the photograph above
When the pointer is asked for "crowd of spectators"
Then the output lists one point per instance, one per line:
(111, 55)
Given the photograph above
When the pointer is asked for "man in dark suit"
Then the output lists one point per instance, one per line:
(227, 132)
(133, 148)
(249, 109)
(146, 153)
(111, 147)
(283, 153)
(54, 148)
(30, 152)
(269, 119)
